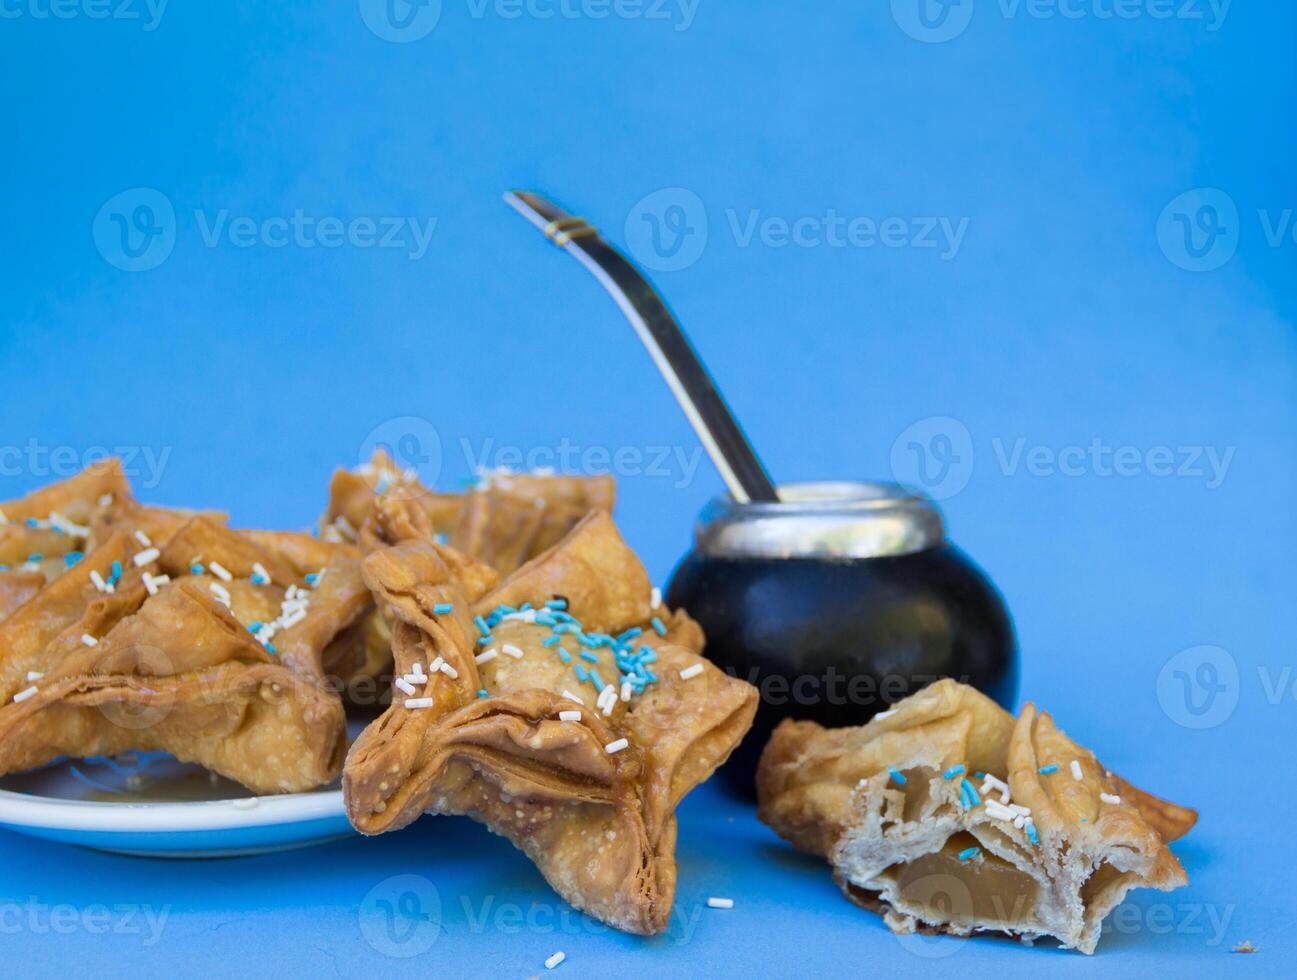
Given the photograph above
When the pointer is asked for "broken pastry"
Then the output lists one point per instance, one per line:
(555, 709)
(947, 814)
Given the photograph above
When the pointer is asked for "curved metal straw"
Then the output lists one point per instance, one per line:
(675, 357)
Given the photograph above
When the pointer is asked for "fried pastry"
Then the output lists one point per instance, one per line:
(575, 741)
(111, 657)
(947, 814)
(353, 493)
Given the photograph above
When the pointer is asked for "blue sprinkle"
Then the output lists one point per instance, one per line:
(967, 789)
(483, 694)
(312, 577)
(1083, 820)
(953, 771)
(969, 853)
(657, 626)
(525, 606)
(630, 634)
(979, 774)
(440, 538)
(270, 648)
(564, 656)
(72, 557)
(1046, 770)
(581, 673)
(117, 571)
(253, 627)
(197, 569)
(32, 522)
(559, 604)
(647, 655)
(648, 675)
(35, 557)
(551, 641)
(596, 680)
(443, 608)
(567, 628)
(897, 776)
(544, 619)
(1032, 835)
(482, 628)
(589, 657)
(484, 640)
(260, 580)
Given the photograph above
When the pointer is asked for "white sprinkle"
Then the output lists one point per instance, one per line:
(143, 539)
(416, 673)
(1109, 798)
(691, 672)
(486, 658)
(448, 670)
(144, 557)
(612, 748)
(999, 811)
(415, 703)
(655, 599)
(512, 651)
(405, 685)
(3, 519)
(319, 577)
(555, 960)
(1019, 822)
(105, 500)
(436, 665)
(151, 584)
(98, 581)
(720, 903)
(34, 675)
(245, 803)
(260, 570)
(222, 594)
(884, 714)
(292, 619)
(220, 571)
(626, 690)
(569, 716)
(22, 696)
(89, 640)
(1076, 770)
(572, 697)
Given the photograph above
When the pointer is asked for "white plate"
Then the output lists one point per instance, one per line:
(153, 806)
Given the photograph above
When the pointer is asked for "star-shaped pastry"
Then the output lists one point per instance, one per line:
(947, 814)
(560, 707)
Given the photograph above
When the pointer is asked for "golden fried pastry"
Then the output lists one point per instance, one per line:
(510, 518)
(48, 530)
(947, 814)
(111, 657)
(574, 740)
(353, 493)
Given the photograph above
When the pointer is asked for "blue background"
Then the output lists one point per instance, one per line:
(1074, 309)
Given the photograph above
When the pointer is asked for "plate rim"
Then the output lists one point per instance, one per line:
(53, 813)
